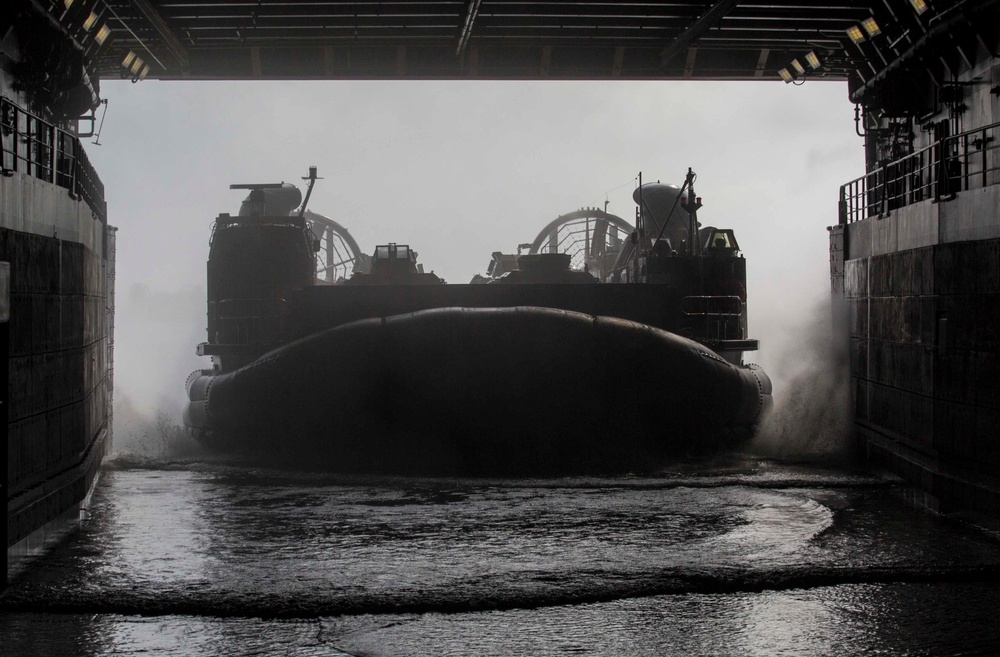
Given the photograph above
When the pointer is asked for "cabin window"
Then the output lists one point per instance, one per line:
(722, 241)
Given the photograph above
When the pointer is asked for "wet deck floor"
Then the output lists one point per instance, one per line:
(739, 557)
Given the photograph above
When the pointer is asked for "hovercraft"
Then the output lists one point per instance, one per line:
(545, 369)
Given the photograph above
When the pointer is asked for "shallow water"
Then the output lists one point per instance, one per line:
(741, 556)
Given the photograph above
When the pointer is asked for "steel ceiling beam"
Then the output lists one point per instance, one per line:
(700, 27)
(170, 42)
(471, 12)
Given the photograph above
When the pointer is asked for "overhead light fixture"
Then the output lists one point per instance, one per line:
(919, 6)
(144, 72)
(136, 65)
(799, 68)
(128, 59)
(102, 34)
(67, 3)
(90, 22)
(855, 34)
(871, 27)
(812, 59)
(785, 75)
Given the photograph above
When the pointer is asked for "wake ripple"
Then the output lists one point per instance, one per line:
(268, 605)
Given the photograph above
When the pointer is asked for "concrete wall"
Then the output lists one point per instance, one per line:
(59, 359)
(922, 287)
(33, 206)
(971, 215)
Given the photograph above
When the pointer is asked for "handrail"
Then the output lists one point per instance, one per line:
(37, 148)
(723, 315)
(969, 160)
(251, 321)
(712, 306)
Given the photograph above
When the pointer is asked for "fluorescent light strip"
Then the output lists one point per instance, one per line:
(102, 35)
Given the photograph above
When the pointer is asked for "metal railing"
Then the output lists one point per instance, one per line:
(724, 316)
(258, 322)
(37, 148)
(969, 160)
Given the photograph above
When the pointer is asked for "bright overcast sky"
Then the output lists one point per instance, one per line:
(459, 170)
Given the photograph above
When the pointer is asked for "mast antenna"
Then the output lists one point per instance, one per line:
(312, 181)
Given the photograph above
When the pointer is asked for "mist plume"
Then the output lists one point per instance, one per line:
(813, 409)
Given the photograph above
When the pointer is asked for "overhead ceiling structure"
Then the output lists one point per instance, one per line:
(857, 40)
(481, 39)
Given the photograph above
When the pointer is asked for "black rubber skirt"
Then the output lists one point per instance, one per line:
(481, 392)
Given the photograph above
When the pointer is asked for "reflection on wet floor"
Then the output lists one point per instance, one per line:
(748, 557)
